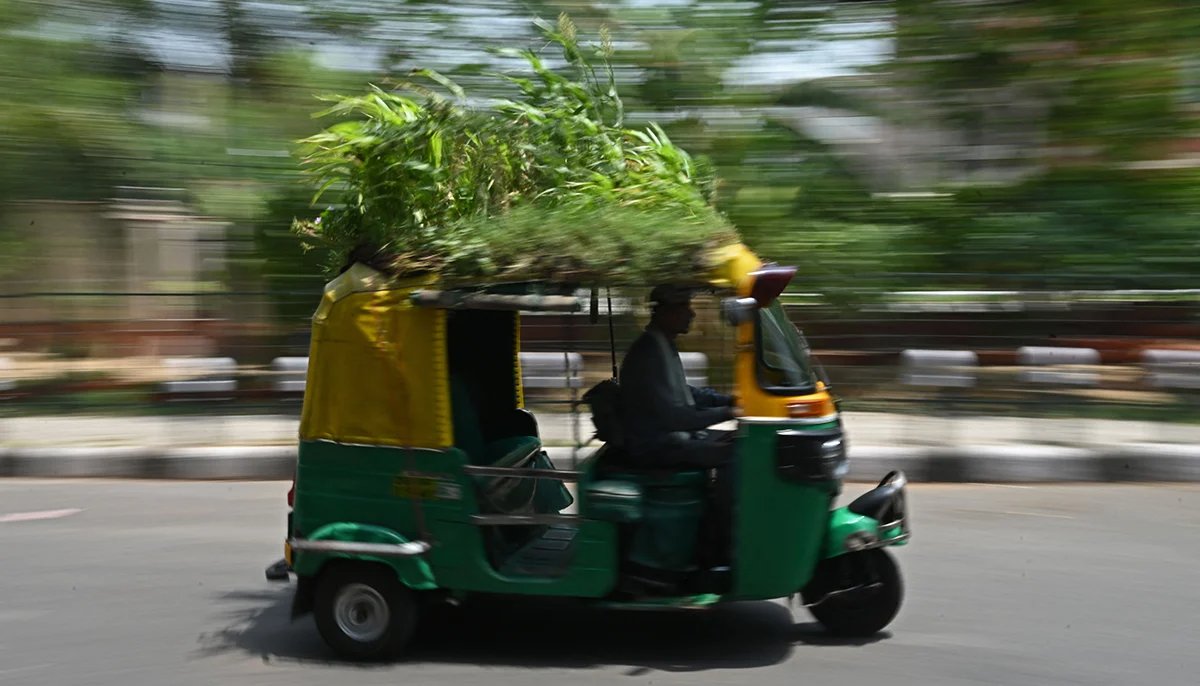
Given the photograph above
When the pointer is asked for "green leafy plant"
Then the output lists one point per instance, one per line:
(548, 185)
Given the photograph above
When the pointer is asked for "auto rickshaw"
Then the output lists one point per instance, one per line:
(422, 479)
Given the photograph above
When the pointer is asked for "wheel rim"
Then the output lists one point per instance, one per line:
(361, 612)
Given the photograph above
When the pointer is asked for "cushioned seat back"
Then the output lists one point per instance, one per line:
(511, 451)
(468, 436)
(500, 494)
(509, 494)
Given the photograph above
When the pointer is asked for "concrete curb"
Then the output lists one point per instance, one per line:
(254, 463)
(871, 463)
(1151, 462)
(1134, 462)
(78, 462)
(1013, 464)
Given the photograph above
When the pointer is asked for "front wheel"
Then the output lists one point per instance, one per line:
(857, 594)
(363, 611)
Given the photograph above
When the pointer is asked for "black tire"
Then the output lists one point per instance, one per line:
(862, 613)
(363, 612)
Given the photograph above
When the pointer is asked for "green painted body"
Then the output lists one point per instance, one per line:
(372, 487)
(670, 510)
(780, 527)
(843, 523)
(414, 572)
(390, 495)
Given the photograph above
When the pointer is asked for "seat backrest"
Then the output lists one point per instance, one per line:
(604, 400)
(468, 436)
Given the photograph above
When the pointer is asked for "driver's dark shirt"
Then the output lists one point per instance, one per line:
(654, 416)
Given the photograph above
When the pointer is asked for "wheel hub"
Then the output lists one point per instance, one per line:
(361, 612)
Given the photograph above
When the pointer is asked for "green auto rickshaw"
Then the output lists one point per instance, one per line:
(422, 479)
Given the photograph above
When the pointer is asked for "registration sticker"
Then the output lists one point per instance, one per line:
(418, 486)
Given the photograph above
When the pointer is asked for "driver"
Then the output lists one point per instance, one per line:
(665, 419)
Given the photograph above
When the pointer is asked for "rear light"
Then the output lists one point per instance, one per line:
(291, 496)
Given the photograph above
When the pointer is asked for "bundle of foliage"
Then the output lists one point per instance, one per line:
(548, 186)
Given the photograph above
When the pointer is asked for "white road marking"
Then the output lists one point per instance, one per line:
(1036, 514)
(33, 516)
(14, 670)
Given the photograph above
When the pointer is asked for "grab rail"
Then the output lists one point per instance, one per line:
(522, 472)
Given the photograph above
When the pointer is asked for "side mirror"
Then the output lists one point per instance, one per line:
(738, 310)
(769, 282)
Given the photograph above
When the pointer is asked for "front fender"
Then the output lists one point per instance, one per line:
(410, 567)
(852, 528)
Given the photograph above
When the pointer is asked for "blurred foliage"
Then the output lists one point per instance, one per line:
(547, 186)
(1090, 99)
(1046, 122)
(1106, 75)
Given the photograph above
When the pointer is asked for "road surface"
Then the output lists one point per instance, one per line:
(126, 583)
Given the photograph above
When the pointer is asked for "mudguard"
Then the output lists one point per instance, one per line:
(875, 519)
(411, 568)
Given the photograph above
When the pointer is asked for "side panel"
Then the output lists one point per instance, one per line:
(592, 572)
(414, 493)
(423, 495)
(779, 526)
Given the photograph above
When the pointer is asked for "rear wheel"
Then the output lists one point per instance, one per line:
(857, 594)
(363, 611)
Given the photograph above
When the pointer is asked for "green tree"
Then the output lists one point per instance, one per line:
(1086, 97)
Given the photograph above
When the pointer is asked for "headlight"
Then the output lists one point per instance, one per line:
(859, 540)
(832, 449)
(808, 456)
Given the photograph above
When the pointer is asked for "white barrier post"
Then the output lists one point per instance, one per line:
(1059, 368)
(940, 370)
(199, 377)
(1174, 371)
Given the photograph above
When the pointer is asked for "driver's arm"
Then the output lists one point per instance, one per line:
(646, 383)
(709, 397)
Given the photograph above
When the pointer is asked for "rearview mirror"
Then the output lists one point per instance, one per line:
(769, 282)
(738, 310)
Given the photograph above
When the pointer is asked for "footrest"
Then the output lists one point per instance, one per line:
(278, 571)
(546, 556)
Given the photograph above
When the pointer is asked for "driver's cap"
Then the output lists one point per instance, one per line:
(670, 294)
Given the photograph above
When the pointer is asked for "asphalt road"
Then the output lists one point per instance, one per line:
(111, 582)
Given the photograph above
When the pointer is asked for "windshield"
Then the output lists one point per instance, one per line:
(783, 359)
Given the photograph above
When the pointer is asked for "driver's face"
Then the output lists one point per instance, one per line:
(677, 319)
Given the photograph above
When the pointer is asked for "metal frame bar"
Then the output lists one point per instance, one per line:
(475, 300)
(788, 420)
(523, 520)
(409, 549)
(522, 473)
